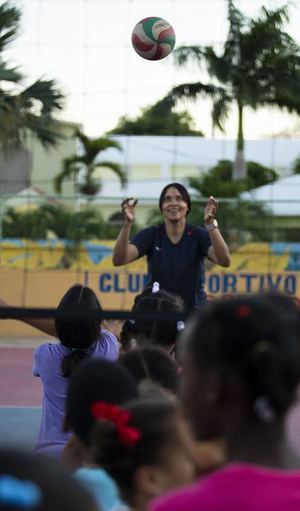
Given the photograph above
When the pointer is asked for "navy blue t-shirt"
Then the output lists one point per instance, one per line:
(179, 268)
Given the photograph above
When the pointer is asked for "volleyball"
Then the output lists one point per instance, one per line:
(153, 38)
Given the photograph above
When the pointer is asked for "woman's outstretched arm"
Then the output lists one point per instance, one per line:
(124, 252)
(47, 325)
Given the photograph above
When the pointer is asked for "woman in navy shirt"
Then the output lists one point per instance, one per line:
(175, 250)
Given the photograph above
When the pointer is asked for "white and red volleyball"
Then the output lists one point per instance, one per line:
(153, 38)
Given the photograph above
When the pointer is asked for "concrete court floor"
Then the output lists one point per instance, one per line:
(21, 397)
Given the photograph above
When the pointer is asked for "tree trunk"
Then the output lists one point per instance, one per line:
(239, 166)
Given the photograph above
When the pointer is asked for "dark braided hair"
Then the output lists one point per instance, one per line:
(159, 333)
(153, 364)
(128, 331)
(257, 339)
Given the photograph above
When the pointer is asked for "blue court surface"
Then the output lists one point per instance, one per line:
(19, 425)
(20, 396)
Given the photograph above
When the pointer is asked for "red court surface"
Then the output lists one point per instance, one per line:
(20, 391)
(18, 386)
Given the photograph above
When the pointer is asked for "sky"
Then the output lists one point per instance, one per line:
(86, 46)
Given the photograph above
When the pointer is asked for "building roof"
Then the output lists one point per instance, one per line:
(200, 151)
(197, 152)
(282, 197)
(30, 198)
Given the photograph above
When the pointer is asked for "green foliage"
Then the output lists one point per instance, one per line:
(218, 180)
(153, 121)
(9, 25)
(296, 166)
(28, 109)
(242, 221)
(60, 221)
(30, 224)
(88, 161)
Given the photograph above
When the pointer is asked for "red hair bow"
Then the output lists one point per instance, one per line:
(127, 434)
(243, 311)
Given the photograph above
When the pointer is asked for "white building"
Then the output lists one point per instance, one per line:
(153, 161)
(281, 197)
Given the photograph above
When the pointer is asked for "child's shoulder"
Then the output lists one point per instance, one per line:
(107, 334)
(48, 348)
(45, 356)
(106, 337)
(107, 345)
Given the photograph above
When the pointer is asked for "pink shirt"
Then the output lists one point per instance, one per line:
(238, 487)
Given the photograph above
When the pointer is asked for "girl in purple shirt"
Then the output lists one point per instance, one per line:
(240, 377)
(54, 363)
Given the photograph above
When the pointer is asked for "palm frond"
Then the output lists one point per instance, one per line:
(71, 167)
(218, 66)
(93, 146)
(267, 28)
(81, 137)
(192, 91)
(188, 54)
(9, 74)
(31, 110)
(235, 17)
(9, 24)
(283, 100)
(47, 131)
(237, 21)
(116, 168)
(277, 17)
(98, 145)
(220, 110)
(44, 92)
(164, 105)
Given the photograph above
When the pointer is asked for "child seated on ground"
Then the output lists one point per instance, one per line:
(240, 377)
(159, 333)
(54, 362)
(94, 380)
(145, 446)
(141, 447)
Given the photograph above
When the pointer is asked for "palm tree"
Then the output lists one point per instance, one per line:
(88, 162)
(259, 66)
(28, 109)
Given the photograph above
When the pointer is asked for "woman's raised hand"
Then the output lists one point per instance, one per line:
(210, 210)
(128, 209)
